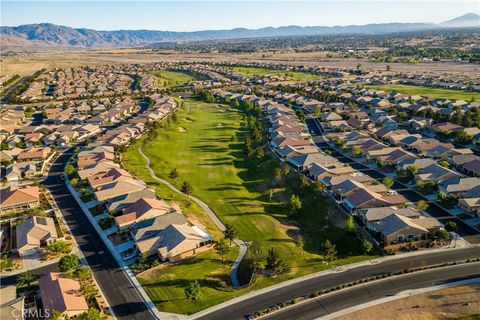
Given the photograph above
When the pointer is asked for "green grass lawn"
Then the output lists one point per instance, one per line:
(294, 75)
(169, 79)
(201, 147)
(429, 92)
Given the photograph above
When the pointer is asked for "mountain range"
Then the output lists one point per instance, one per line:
(51, 35)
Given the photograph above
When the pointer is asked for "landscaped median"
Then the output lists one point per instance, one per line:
(305, 298)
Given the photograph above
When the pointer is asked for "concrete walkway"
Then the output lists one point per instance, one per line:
(240, 243)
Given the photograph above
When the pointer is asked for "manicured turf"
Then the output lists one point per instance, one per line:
(429, 92)
(169, 79)
(294, 75)
(238, 190)
(211, 273)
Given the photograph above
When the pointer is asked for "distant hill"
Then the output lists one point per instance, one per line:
(47, 34)
(467, 20)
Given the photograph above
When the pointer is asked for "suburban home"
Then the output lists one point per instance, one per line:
(118, 189)
(302, 162)
(470, 204)
(94, 158)
(458, 186)
(472, 168)
(175, 242)
(445, 127)
(126, 200)
(62, 294)
(20, 170)
(112, 175)
(14, 198)
(396, 228)
(10, 304)
(373, 215)
(419, 163)
(289, 151)
(34, 233)
(318, 171)
(281, 142)
(34, 154)
(436, 173)
(330, 116)
(97, 168)
(365, 198)
(142, 209)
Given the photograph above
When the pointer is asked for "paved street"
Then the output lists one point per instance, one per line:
(120, 294)
(322, 282)
(337, 301)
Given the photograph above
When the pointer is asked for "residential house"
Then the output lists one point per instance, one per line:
(14, 198)
(63, 294)
(396, 228)
(34, 233)
(142, 209)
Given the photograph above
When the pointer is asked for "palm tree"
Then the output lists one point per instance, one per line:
(25, 279)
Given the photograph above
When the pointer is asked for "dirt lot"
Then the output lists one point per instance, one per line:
(452, 303)
(27, 63)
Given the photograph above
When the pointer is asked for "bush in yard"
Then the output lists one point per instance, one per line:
(69, 263)
(451, 226)
(58, 247)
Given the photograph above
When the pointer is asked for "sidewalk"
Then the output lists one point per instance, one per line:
(130, 275)
(344, 268)
(240, 243)
(401, 295)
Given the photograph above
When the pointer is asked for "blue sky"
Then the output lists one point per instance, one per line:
(202, 15)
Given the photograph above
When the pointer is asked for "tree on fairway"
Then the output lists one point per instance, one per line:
(328, 250)
(319, 186)
(388, 182)
(277, 174)
(174, 174)
(222, 249)
(275, 263)
(451, 226)
(350, 224)
(192, 290)
(25, 279)
(367, 246)
(295, 204)
(304, 182)
(422, 205)
(69, 263)
(285, 170)
(187, 188)
(260, 153)
(230, 232)
(299, 244)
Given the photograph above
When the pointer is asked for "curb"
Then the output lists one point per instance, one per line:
(282, 306)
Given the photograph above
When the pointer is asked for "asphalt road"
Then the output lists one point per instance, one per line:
(12, 88)
(344, 299)
(434, 210)
(123, 298)
(262, 301)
